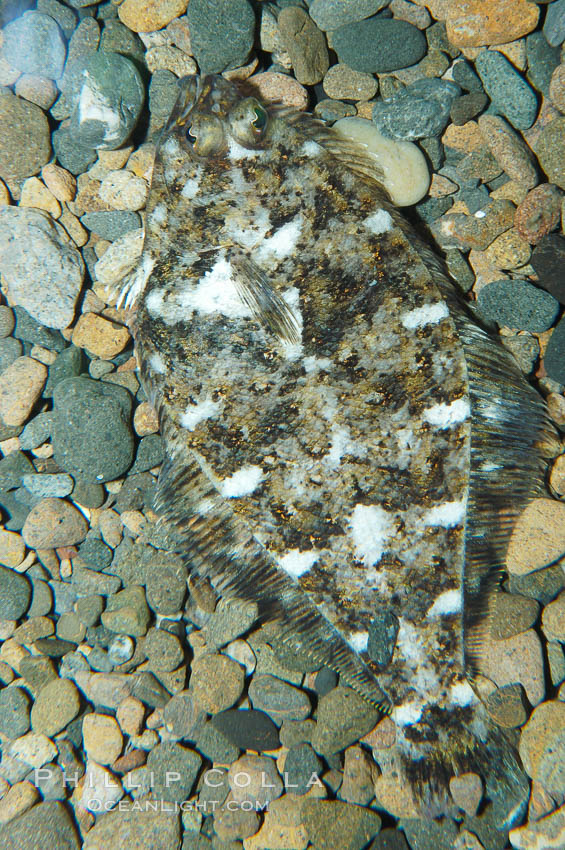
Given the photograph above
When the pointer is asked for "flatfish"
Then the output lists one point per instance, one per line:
(346, 446)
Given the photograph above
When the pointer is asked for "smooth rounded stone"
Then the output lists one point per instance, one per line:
(216, 681)
(557, 88)
(111, 224)
(70, 628)
(117, 38)
(539, 213)
(420, 110)
(332, 14)
(25, 141)
(509, 92)
(343, 718)
(425, 834)
(183, 716)
(405, 172)
(214, 744)
(549, 148)
(10, 350)
(159, 830)
(42, 270)
(464, 76)
(508, 706)
(7, 321)
(254, 779)
(95, 553)
(548, 260)
(102, 738)
(99, 336)
(120, 258)
(101, 790)
(343, 83)
(143, 16)
(457, 230)
(36, 432)
(232, 823)
(32, 629)
(379, 45)
(37, 826)
(65, 17)
(474, 23)
(241, 652)
(229, 620)
(467, 791)
(542, 834)
(130, 715)
(14, 712)
(554, 24)
(41, 599)
(538, 537)
(67, 365)
(127, 612)
(20, 387)
(163, 92)
(150, 453)
(554, 359)
(247, 729)
(553, 619)
(516, 659)
(332, 823)
(12, 549)
(38, 90)
(35, 44)
(12, 468)
(71, 156)
(393, 839)
(280, 700)
(108, 99)
(331, 111)
(300, 766)
(513, 614)
(92, 437)
(15, 594)
(359, 773)
(123, 190)
(52, 523)
(56, 704)
(221, 36)
(467, 106)
(305, 44)
(542, 746)
(271, 85)
(542, 60)
(45, 485)
(163, 650)
(518, 304)
(168, 759)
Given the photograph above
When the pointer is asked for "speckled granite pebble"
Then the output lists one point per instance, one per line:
(420, 110)
(518, 304)
(508, 91)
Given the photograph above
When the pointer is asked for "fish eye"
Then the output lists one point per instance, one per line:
(190, 135)
(260, 120)
(205, 135)
(248, 121)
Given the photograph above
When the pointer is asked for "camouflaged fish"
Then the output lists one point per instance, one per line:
(346, 446)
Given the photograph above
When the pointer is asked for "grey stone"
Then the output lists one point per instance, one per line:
(111, 224)
(215, 745)
(117, 38)
(332, 823)
(7, 321)
(554, 25)
(278, 699)
(70, 155)
(127, 612)
(37, 431)
(15, 594)
(92, 437)
(25, 144)
(50, 782)
(170, 758)
(95, 553)
(30, 330)
(548, 260)
(14, 712)
(554, 360)
(12, 468)
(165, 583)
(379, 45)
(247, 729)
(67, 365)
(14, 513)
(343, 718)
(300, 766)
(518, 304)
(221, 35)
(38, 827)
(150, 453)
(65, 17)
(86, 582)
(35, 45)
(510, 94)
(420, 110)
(10, 350)
(41, 599)
(163, 93)
(465, 77)
(332, 14)
(113, 84)
(427, 834)
(41, 268)
(542, 59)
(46, 485)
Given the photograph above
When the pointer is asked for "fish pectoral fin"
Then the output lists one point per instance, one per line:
(267, 306)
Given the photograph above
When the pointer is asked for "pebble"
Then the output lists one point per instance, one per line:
(120, 257)
(221, 37)
(301, 766)
(343, 83)
(56, 704)
(333, 110)
(102, 738)
(10, 350)
(538, 538)
(405, 172)
(247, 729)
(539, 213)
(59, 181)
(305, 44)
(547, 260)
(332, 14)
(332, 823)
(123, 190)
(473, 23)
(143, 16)
(457, 230)
(359, 773)
(429, 834)
(254, 779)
(542, 746)
(513, 614)
(35, 749)
(108, 97)
(467, 792)
(542, 59)
(150, 453)
(167, 58)
(42, 271)
(95, 553)
(91, 432)
(46, 485)
(507, 89)
(17, 800)
(54, 647)
(171, 760)
(517, 303)
(36, 194)
(232, 823)
(52, 523)
(554, 24)
(25, 145)
(99, 336)
(467, 106)
(159, 830)
(127, 612)
(32, 629)
(229, 620)
(549, 151)
(39, 90)
(216, 681)
(343, 718)
(14, 712)
(100, 790)
(280, 700)
(12, 549)
(517, 659)
(508, 706)
(183, 716)
(163, 650)
(20, 387)
(379, 45)
(7, 321)
(557, 88)
(553, 619)
(35, 44)
(549, 832)
(37, 826)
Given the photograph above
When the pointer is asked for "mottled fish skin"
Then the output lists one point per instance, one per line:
(344, 442)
